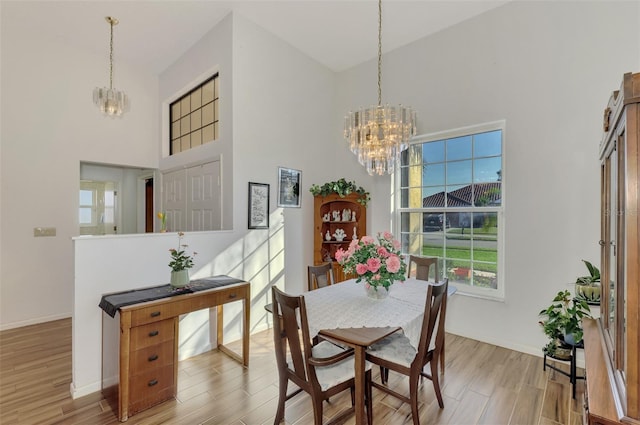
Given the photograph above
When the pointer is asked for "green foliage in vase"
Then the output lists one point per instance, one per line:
(180, 260)
(342, 188)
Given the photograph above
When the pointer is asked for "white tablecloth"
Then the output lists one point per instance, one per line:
(346, 305)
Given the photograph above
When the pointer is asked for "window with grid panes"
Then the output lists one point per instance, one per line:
(451, 205)
(194, 117)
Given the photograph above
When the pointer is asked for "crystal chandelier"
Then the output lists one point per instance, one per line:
(111, 101)
(378, 134)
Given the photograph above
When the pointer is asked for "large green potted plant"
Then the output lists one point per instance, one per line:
(562, 323)
(588, 287)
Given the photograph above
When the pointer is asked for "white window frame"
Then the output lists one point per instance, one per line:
(476, 291)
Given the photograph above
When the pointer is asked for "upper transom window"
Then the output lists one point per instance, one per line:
(194, 117)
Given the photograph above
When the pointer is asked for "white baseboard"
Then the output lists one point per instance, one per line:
(36, 321)
(86, 390)
(185, 354)
(527, 349)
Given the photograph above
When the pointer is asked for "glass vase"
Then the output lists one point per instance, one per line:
(376, 292)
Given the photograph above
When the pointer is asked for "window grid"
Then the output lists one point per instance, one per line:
(456, 220)
(194, 117)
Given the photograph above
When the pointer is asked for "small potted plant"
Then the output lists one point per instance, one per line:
(180, 264)
(562, 323)
(588, 287)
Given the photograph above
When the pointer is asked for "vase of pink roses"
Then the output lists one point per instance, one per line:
(376, 261)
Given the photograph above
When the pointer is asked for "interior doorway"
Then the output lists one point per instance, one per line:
(149, 216)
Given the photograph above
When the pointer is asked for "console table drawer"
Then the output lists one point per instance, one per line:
(152, 357)
(151, 384)
(151, 314)
(152, 333)
(150, 388)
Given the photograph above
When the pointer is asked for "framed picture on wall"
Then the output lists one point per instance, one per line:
(258, 205)
(289, 187)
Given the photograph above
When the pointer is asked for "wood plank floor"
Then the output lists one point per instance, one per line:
(482, 384)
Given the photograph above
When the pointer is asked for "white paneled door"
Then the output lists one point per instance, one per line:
(203, 202)
(174, 200)
(191, 198)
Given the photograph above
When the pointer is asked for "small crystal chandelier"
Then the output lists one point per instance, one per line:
(111, 101)
(378, 134)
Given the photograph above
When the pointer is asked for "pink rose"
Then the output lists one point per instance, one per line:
(396, 244)
(382, 252)
(361, 269)
(393, 264)
(367, 240)
(376, 277)
(387, 235)
(373, 264)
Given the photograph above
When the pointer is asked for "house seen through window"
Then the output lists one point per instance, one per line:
(451, 205)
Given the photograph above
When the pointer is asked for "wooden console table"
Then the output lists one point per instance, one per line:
(140, 343)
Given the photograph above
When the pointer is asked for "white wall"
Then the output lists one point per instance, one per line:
(548, 68)
(279, 97)
(282, 107)
(50, 125)
(211, 54)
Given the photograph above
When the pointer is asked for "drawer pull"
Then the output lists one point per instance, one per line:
(153, 333)
(153, 357)
(155, 314)
(152, 382)
(232, 295)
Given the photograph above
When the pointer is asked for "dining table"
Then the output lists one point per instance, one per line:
(343, 312)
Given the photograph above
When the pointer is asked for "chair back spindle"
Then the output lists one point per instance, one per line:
(320, 276)
(423, 267)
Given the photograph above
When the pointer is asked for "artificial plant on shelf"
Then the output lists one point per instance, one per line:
(342, 188)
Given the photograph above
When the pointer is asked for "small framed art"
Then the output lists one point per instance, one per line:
(289, 187)
(258, 205)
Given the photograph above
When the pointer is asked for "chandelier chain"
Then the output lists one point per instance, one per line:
(379, 52)
(111, 56)
(377, 135)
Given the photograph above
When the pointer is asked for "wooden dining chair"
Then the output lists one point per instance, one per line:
(320, 276)
(321, 370)
(396, 353)
(423, 266)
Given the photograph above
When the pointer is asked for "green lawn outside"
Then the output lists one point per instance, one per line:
(484, 259)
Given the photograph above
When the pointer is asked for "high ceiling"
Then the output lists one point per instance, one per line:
(154, 33)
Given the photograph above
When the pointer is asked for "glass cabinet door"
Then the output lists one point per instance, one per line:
(613, 254)
(621, 265)
(610, 245)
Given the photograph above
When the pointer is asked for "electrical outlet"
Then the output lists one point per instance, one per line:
(44, 231)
